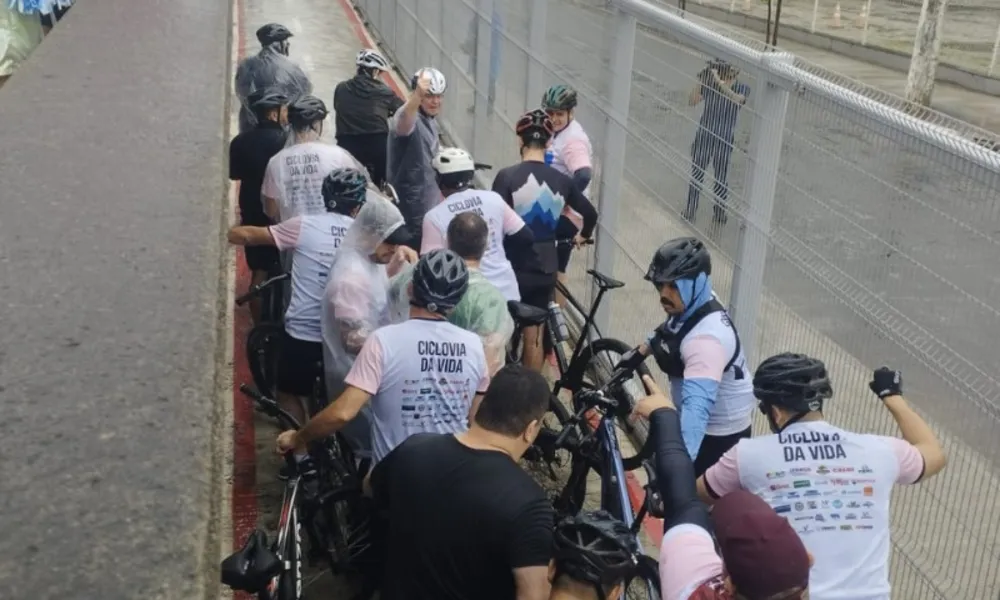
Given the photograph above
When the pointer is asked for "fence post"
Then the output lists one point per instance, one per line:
(613, 157)
(481, 120)
(771, 104)
(535, 81)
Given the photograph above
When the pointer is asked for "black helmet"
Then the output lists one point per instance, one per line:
(439, 280)
(595, 548)
(536, 123)
(793, 381)
(271, 33)
(682, 258)
(306, 110)
(344, 190)
(264, 100)
(559, 97)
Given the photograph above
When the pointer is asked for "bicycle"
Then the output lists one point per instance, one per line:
(594, 447)
(323, 497)
(263, 343)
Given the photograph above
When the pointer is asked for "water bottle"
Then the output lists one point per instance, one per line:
(562, 332)
(549, 157)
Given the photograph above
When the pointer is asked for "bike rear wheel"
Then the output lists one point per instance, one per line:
(645, 584)
(262, 348)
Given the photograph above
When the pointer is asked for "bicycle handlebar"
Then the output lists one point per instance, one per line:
(568, 241)
(260, 287)
(269, 407)
(483, 167)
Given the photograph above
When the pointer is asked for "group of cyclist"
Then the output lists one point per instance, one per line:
(410, 349)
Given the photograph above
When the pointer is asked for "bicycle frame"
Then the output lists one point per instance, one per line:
(588, 326)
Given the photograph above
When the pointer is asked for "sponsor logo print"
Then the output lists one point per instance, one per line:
(851, 517)
(822, 470)
(804, 518)
(857, 481)
(779, 486)
(776, 475)
(783, 508)
(865, 527)
(835, 516)
(812, 505)
(865, 469)
(801, 483)
(800, 471)
(843, 469)
(791, 495)
(867, 515)
(828, 528)
(869, 490)
(846, 527)
(837, 504)
(840, 481)
(799, 506)
(811, 493)
(820, 519)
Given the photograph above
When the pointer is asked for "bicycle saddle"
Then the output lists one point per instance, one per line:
(526, 314)
(252, 566)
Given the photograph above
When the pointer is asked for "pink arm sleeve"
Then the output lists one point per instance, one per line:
(433, 238)
(351, 298)
(512, 222)
(909, 459)
(704, 358)
(286, 233)
(576, 156)
(366, 372)
(687, 560)
(724, 476)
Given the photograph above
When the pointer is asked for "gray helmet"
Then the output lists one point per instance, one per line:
(267, 99)
(795, 382)
(682, 258)
(344, 190)
(306, 110)
(439, 281)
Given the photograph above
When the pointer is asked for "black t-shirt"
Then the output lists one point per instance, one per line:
(363, 106)
(249, 153)
(460, 521)
(538, 193)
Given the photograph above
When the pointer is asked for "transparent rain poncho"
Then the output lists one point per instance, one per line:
(268, 69)
(483, 311)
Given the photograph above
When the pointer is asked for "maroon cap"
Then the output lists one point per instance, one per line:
(761, 552)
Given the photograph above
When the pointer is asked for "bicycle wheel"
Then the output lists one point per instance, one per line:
(645, 584)
(262, 348)
(591, 369)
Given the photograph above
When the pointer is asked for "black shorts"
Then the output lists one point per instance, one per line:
(370, 150)
(713, 447)
(536, 289)
(299, 366)
(262, 258)
(565, 230)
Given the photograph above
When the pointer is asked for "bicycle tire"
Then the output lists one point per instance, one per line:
(263, 346)
(577, 372)
(648, 573)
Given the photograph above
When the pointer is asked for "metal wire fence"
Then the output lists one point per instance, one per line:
(859, 229)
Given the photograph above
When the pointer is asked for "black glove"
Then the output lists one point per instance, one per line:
(886, 382)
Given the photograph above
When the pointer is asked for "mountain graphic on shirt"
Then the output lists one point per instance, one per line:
(535, 202)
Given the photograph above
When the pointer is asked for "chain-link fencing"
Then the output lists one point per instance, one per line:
(857, 228)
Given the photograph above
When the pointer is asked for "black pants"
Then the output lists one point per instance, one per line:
(707, 148)
(370, 150)
(713, 447)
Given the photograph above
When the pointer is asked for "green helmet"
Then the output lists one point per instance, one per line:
(559, 97)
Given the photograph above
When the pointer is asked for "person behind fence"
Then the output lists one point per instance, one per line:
(249, 153)
(362, 107)
(269, 68)
(724, 96)
(832, 484)
(538, 193)
(760, 557)
(465, 520)
(414, 139)
(699, 349)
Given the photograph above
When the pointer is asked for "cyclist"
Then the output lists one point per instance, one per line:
(314, 240)
(833, 485)
(249, 153)
(362, 107)
(539, 193)
(465, 521)
(355, 302)
(270, 68)
(414, 139)
(454, 170)
(483, 308)
(421, 375)
(595, 554)
(762, 558)
(570, 154)
(293, 182)
(699, 349)
(724, 96)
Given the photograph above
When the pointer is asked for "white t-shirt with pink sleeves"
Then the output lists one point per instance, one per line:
(294, 176)
(501, 220)
(314, 240)
(423, 375)
(834, 487)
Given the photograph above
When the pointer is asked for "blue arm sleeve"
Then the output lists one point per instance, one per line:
(581, 178)
(697, 400)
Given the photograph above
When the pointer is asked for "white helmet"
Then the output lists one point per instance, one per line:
(438, 83)
(453, 160)
(371, 60)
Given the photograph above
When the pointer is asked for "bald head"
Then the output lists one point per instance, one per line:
(468, 235)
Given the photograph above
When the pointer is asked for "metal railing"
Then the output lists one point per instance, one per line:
(860, 229)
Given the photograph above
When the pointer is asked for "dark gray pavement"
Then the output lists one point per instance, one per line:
(111, 201)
